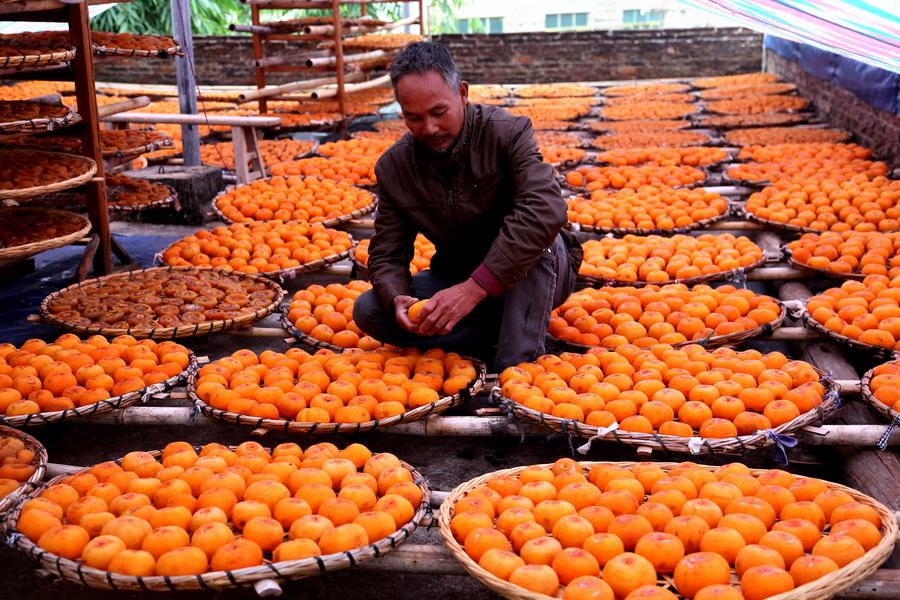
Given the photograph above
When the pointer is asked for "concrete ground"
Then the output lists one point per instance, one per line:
(446, 462)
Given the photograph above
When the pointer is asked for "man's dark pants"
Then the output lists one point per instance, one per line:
(516, 322)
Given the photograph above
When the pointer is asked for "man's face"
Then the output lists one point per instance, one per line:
(433, 111)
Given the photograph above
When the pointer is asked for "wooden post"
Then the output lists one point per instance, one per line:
(248, 160)
(339, 58)
(258, 54)
(83, 66)
(187, 91)
(423, 19)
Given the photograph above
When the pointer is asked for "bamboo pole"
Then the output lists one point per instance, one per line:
(329, 30)
(229, 120)
(353, 87)
(330, 61)
(277, 90)
(124, 106)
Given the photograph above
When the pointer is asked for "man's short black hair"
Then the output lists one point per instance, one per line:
(421, 57)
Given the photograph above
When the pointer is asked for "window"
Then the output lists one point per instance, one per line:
(642, 19)
(480, 25)
(565, 21)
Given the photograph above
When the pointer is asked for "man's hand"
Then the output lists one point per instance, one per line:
(401, 308)
(448, 307)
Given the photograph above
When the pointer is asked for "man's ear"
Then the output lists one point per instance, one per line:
(464, 91)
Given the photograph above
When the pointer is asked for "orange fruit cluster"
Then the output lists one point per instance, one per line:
(753, 105)
(551, 112)
(597, 178)
(693, 155)
(26, 169)
(557, 138)
(189, 512)
(646, 139)
(858, 204)
(122, 190)
(639, 125)
(648, 110)
(130, 41)
(292, 198)
(355, 170)
(885, 385)
(647, 208)
(760, 120)
(671, 314)
(554, 90)
(354, 387)
(806, 163)
(17, 464)
(558, 155)
(730, 80)
(25, 90)
(258, 247)
(25, 225)
(326, 313)
(22, 110)
(548, 124)
(397, 126)
(860, 253)
(867, 311)
(634, 98)
(643, 89)
(785, 135)
(221, 154)
(656, 259)
(742, 90)
(423, 252)
(71, 372)
(480, 92)
(355, 148)
(614, 531)
(685, 391)
(582, 103)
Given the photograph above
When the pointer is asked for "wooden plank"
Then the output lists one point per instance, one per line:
(229, 120)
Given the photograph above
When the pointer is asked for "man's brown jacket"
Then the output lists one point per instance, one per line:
(490, 206)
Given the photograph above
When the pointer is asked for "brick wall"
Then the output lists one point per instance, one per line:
(873, 127)
(504, 58)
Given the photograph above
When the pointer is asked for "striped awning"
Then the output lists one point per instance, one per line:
(864, 30)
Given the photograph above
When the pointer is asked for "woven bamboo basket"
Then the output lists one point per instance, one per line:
(40, 463)
(89, 166)
(138, 150)
(788, 119)
(307, 341)
(360, 212)
(597, 125)
(40, 124)
(776, 225)
(561, 178)
(77, 572)
(25, 250)
(702, 224)
(882, 353)
(707, 168)
(37, 60)
(586, 281)
(164, 333)
(867, 395)
(101, 50)
(283, 274)
(441, 405)
(820, 589)
(694, 445)
(708, 342)
(123, 401)
(78, 202)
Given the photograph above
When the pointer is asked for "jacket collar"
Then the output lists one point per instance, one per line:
(425, 157)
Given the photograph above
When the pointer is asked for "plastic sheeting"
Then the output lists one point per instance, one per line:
(867, 31)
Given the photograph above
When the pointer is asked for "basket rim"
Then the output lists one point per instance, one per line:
(101, 50)
(729, 155)
(102, 406)
(721, 276)
(700, 121)
(842, 339)
(204, 328)
(307, 154)
(695, 110)
(31, 248)
(597, 125)
(442, 404)
(282, 274)
(670, 443)
(40, 458)
(284, 571)
(708, 139)
(787, 89)
(822, 272)
(39, 59)
(709, 342)
(819, 589)
(868, 396)
(17, 193)
(307, 340)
